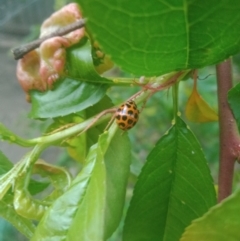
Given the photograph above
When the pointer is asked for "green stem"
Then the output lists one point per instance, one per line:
(22, 167)
(78, 128)
(175, 100)
(74, 130)
(133, 81)
(30, 158)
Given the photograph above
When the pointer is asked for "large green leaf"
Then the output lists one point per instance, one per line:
(72, 93)
(117, 163)
(155, 37)
(220, 223)
(70, 96)
(91, 208)
(174, 187)
(234, 101)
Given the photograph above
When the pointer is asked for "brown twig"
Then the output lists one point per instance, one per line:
(229, 138)
(19, 52)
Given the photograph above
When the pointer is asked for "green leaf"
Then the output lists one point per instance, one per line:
(117, 163)
(80, 63)
(220, 223)
(174, 187)
(29, 207)
(71, 94)
(79, 144)
(234, 101)
(8, 179)
(24, 204)
(91, 208)
(36, 187)
(7, 211)
(155, 37)
(19, 169)
(93, 133)
(59, 177)
(68, 96)
(5, 164)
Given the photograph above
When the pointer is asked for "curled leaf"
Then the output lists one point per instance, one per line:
(102, 62)
(7, 211)
(71, 94)
(40, 68)
(197, 109)
(29, 207)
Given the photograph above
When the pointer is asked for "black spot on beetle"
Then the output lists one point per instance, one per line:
(130, 121)
(121, 124)
(124, 117)
(130, 112)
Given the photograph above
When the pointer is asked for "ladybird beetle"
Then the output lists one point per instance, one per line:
(127, 115)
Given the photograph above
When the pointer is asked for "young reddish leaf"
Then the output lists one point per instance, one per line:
(174, 188)
(220, 223)
(197, 109)
(41, 67)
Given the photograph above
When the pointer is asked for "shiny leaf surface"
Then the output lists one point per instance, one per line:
(91, 208)
(174, 187)
(220, 223)
(156, 37)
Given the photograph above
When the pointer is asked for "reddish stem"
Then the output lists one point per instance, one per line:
(229, 138)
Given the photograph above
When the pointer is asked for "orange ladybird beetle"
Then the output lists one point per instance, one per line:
(127, 115)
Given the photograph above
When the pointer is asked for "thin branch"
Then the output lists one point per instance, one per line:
(19, 52)
(229, 138)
